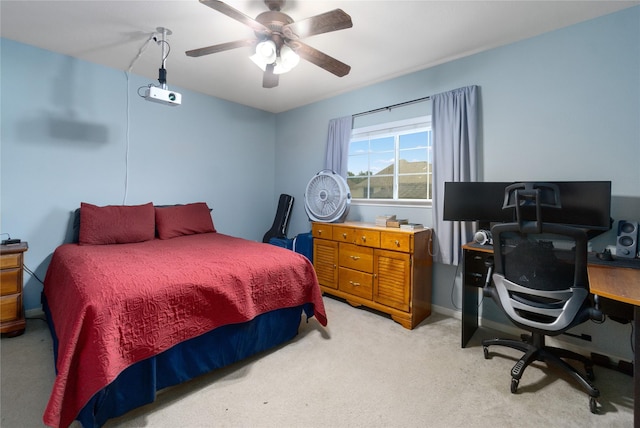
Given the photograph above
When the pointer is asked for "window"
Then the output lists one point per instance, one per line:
(392, 161)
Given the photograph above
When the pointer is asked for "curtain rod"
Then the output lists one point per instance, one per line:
(417, 100)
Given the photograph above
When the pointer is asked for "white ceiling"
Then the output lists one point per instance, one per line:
(388, 39)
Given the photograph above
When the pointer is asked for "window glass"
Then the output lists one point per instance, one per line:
(393, 161)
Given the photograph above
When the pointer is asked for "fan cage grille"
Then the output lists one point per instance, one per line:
(327, 197)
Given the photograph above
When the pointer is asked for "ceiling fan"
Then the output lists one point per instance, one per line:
(277, 43)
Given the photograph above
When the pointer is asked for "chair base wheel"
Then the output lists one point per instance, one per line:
(514, 385)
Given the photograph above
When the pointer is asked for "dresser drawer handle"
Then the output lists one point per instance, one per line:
(319, 232)
(355, 257)
(397, 243)
(355, 284)
(364, 239)
(344, 235)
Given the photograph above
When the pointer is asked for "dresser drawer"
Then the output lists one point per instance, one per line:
(356, 283)
(395, 241)
(9, 308)
(344, 234)
(10, 261)
(366, 237)
(356, 257)
(321, 231)
(9, 281)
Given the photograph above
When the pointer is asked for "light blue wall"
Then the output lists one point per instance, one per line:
(64, 141)
(561, 106)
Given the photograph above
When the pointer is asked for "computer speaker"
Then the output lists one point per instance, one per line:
(627, 243)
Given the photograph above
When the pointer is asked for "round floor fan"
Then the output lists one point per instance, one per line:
(327, 198)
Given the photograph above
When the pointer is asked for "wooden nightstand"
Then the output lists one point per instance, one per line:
(12, 322)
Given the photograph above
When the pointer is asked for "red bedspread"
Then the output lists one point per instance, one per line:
(115, 305)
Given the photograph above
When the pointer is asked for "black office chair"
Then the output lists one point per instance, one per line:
(540, 282)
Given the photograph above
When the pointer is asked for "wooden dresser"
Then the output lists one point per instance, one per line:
(12, 322)
(386, 269)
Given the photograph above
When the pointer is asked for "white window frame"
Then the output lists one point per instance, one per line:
(396, 128)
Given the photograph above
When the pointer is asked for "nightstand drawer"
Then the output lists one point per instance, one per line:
(356, 283)
(9, 281)
(9, 308)
(356, 257)
(12, 322)
(396, 241)
(8, 261)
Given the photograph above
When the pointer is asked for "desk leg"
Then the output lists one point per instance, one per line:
(636, 366)
(469, 313)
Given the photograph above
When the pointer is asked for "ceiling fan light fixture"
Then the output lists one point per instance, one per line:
(265, 54)
(276, 30)
(257, 60)
(287, 60)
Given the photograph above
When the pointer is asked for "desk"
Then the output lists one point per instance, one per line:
(623, 285)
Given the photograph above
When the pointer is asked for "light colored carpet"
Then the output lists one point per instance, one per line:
(364, 370)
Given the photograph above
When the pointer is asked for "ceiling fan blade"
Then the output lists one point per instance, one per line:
(320, 59)
(237, 15)
(270, 80)
(324, 23)
(220, 48)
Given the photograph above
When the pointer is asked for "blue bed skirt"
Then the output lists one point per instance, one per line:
(137, 385)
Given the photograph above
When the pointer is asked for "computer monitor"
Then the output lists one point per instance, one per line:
(477, 201)
(584, 204)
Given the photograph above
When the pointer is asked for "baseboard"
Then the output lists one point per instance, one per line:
(446, 311)
(34, 313)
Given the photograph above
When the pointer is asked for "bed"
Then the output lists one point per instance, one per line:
(150, 297)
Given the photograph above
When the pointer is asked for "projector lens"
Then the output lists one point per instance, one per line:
(172, 96)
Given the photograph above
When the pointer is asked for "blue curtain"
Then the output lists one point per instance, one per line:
(338, 139)
(454, 124)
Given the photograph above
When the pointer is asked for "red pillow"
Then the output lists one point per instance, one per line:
(116, 224)
(178, 220)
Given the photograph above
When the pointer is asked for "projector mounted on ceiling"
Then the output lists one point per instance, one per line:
(162, 94)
